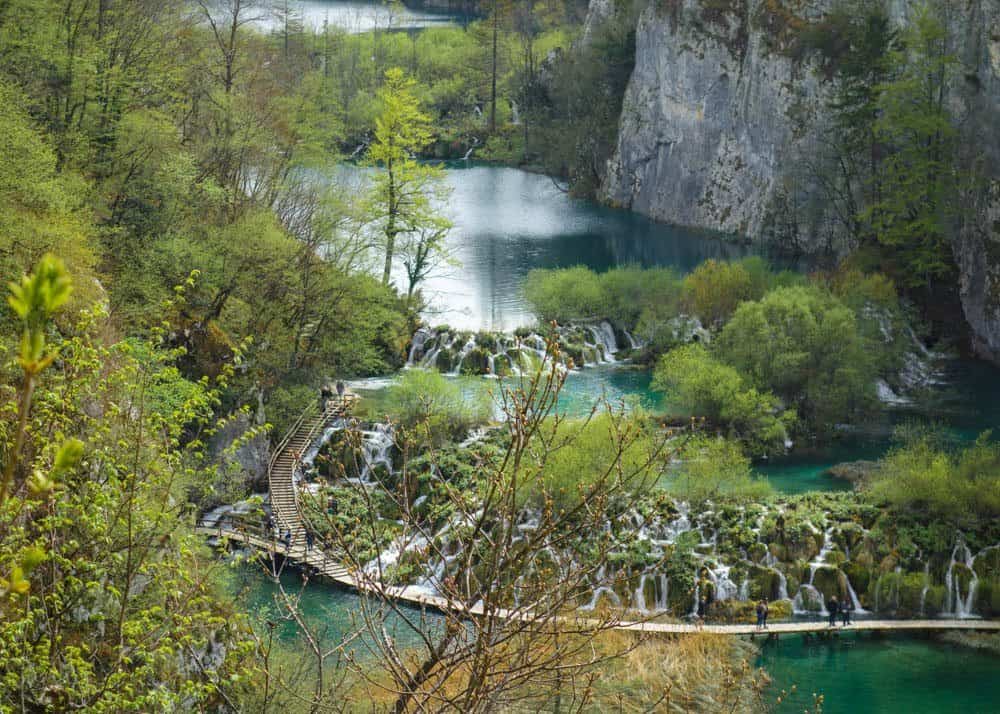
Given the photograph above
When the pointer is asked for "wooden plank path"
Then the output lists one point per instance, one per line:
(281, 469)
(335, 571)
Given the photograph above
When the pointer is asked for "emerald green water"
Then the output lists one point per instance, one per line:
(332, 612)
(856, 673)
(867, 673)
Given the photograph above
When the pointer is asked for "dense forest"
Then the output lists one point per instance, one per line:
(209, 210)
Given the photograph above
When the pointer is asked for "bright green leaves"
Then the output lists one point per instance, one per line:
(405, 192)
(16, 583)
(35, 300)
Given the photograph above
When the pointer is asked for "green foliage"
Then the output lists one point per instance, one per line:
(701, 386)
(433, 409)
(918, 181)
(715, 469)
(565, 295)
(805, 346)
(622, 295)
(102, 468)
(959, 487)
(580, 455)
(405, 191)
(714, 289)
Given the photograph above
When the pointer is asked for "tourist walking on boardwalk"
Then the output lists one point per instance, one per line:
(309, 540)
(340, 389)
(832, 607)
(702, 611)
(767, 611)
(845, 612)
(760, 614)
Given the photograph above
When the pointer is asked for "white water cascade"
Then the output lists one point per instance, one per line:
(956, 603)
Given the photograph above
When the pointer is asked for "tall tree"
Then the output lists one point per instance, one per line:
(911, 212)
(404, 191)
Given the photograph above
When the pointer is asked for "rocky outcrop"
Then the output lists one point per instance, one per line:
(723, 120)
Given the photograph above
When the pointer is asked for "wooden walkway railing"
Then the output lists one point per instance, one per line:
(285, 507)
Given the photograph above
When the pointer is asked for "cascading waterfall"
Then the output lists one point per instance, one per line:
(955, 603)
(927, 585)
(799, 604)
(498, 354)
(440, 554)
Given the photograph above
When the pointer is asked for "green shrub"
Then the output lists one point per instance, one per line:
(702, 386)
(431, 409)
(585, 452)
(923, 477)
(714, 469)
(805, 346)
(714, 290)
(566, 295)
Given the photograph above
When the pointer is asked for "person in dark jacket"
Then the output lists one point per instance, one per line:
(340, 389)
(845, 612)
(767, 611)
(702, 611)
(760, 614)
(832, 608)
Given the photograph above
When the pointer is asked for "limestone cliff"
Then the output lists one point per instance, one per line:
(722, 122)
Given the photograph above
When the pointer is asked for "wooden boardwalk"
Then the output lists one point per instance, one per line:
(335, 571)
(281, 469)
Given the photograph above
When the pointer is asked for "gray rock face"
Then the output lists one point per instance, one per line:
(721, 127)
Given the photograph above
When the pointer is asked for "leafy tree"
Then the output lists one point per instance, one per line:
(714, 289)
(918, 181)
(805, 345)
(701, 386)
(106, 605)
(404, 191)
(565, 295)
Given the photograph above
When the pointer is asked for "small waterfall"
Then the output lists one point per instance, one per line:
(799, 603)
(472, 147)
(772, 563)
(515, 114)
(955, 603)
(419, 341)
(376, 449)
(604, 340)
(927, 585)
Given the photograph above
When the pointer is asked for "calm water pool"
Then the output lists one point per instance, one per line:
(869, 673)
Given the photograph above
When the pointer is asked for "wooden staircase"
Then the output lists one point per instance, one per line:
(285, 507)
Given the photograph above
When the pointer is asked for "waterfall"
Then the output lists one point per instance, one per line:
(927, 584)
(772, 563)
(472, 147)
(799, 603)
(604, 339)
(515, 114)
(420, 338)
(955, 603)
(376, 449)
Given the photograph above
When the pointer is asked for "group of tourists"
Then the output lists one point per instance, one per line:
(834, 606)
